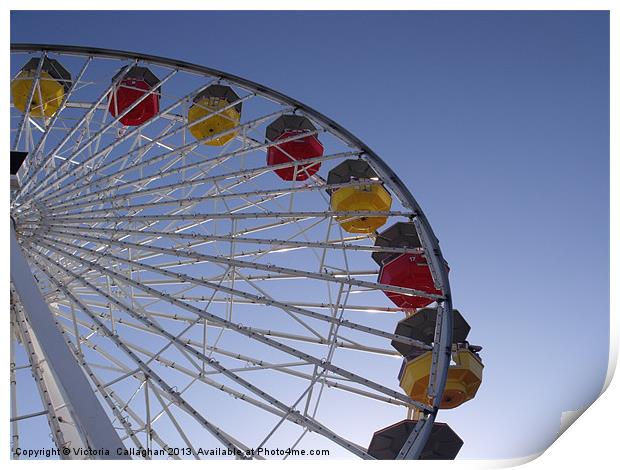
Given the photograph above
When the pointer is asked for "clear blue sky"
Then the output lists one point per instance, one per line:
(497, 122)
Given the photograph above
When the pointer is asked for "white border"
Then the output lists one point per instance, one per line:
(591, 441)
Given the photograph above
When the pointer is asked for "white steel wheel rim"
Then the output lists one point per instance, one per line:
(175, 267)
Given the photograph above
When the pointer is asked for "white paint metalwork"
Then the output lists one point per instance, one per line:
(173, 270)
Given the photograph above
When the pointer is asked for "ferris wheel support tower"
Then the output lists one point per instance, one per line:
(61, 381)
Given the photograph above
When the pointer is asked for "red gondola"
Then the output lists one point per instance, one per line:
(297, 149)
(136, 82)
(410, 271)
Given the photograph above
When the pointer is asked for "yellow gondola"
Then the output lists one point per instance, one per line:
(54, 81)
(464, 378)
(369, 195)
(210, 101)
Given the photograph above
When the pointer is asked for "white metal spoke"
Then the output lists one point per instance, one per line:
(346, 323)
(75, 128)
(251, 265)
(314, 425)
(244, 331)
(149, 372)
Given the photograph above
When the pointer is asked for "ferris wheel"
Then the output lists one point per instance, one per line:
(202, 267)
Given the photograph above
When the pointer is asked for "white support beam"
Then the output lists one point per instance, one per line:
(86, 411)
